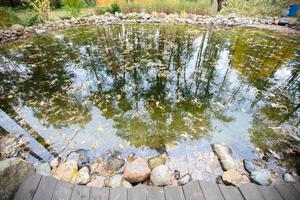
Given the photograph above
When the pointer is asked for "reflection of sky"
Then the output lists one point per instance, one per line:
(232, 96)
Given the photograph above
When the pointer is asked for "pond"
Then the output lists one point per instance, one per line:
(150, 89)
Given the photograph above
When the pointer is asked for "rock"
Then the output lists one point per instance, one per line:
(80, 156)
(83, 176)
(176, 174)
(43, 169)
(262, 177)
(55, 162)
(225, 156)
(126, 184)
(115, 181)
(137, 171)
(12, 172)
(17, 27)
(131, 157)
(115, 164)
(40, 31)
(67, 171)
(98, 181)
(288, 178)
(59, 37)
(157, 160)
(160, 175)
(233, 177)
(249, 166)
(185, 179)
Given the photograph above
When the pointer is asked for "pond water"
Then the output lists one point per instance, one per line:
(151, 89)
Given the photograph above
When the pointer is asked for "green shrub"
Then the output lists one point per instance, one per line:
(254, 7)
(8, 17)
(90, 3)
(33, 19)
(74, 6)
(112, 9)
(115, 8)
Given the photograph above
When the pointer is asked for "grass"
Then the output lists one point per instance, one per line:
(201, 7)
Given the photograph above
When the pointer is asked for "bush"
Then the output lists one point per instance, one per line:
(90, 3)
(254, 7)
(74, 6)
(41, 7)
(112, 9)
(8, 17)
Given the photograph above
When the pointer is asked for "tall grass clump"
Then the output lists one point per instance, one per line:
(169, 6)
(8, 17)
(254, 7)
(74, 6)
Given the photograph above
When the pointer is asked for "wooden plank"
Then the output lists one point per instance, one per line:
(297, 186)
(287, 191)
(63, 190)
(173, 193)
(192, 191)
(45, 188)
(269, 193)
(99, 193)
(81, 192)
(137, 193)
(119, 193)
(28, 188)
(155, 193)
(14, 128)
(211, 190)
(251, 192)
(230, 192)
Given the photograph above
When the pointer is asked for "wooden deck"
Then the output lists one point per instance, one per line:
(46, 188)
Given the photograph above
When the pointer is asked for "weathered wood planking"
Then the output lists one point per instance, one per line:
(137, 193)
(155, 193)
(119, 193)
(81, 192)
(297, 186)
(251, 192)
(269, 193)
(192, 191)
(63, 190)
(287, 191)
(28, 188)
(230, 193)
(99, 193)
(173, 193)
(12, 127)
(211, 190)
(45, 188)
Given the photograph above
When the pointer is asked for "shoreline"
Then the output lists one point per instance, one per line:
(17, 32)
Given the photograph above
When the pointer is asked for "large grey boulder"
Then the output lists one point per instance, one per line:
(262, 177)
(12, 173)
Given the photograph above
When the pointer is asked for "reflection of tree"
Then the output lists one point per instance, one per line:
(158, 84)
(157, 96)
(43, 84)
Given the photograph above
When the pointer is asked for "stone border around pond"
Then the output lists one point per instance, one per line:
(16, 32)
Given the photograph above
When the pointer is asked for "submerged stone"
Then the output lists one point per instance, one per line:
(157, 160)
(262, 177)
(225, 156)
(137, 171)
(249, 166)
(185, 179)
(55, 162)
(115, 164)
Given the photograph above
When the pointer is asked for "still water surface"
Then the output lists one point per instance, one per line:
(151, 89)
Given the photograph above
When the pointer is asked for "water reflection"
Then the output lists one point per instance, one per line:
(154, 88)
